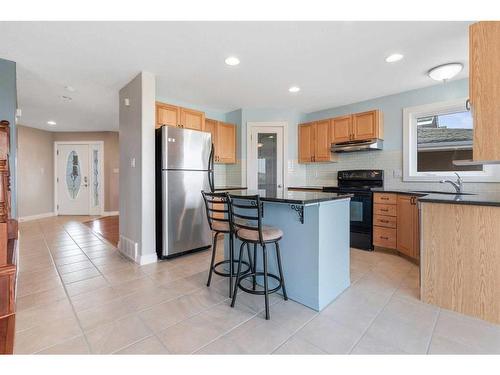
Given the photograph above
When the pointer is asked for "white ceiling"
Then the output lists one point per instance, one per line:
(334, 63)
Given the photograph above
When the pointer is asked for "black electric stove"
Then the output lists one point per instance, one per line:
(360, 183)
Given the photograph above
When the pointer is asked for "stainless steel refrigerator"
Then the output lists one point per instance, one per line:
(184, 167)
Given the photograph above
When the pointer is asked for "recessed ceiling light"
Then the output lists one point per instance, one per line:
(232, 60)
(294, 89)
(70, 88)
(51, 123)
(445, 72)
(394, 57)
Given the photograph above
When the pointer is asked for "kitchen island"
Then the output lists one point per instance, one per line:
(315, 244)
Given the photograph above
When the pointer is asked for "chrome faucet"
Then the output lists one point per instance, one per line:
(458, 185)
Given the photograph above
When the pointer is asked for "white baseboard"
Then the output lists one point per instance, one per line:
(36, 217)
(110, 213)
(147, 259)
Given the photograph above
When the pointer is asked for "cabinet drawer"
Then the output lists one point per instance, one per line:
(385, 198)
(384, 237)
(384, 209)
(385, 221)
(7, 293)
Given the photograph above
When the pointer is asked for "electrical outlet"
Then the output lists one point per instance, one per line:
(132, 162)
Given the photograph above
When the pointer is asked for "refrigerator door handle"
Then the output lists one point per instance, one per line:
(211, 169)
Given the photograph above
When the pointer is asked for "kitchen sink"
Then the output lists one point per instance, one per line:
(441, 192)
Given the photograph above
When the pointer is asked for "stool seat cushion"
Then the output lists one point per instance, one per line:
(220, 226)
(268, 234)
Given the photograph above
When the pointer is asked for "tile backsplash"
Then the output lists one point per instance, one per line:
(390, 161)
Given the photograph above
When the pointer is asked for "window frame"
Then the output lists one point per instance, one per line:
(490, 173)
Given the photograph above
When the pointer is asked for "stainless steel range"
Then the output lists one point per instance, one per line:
(360, 183)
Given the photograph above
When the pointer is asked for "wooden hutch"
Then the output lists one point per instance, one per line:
(8, 248)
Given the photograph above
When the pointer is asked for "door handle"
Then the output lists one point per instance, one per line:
(279, 186)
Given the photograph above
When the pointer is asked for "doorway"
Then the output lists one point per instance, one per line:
(266, 156)
(79, 180)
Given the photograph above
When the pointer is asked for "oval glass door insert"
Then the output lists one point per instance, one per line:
(73, 175)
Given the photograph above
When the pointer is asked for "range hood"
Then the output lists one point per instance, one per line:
(370, 145)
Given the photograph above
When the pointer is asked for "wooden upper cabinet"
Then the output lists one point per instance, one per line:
(408, 226)
(223, 139)
(211, 127)
(306, 142)
(322, 144)
(341, 129)
(484, 88)
(192, 119)
(167, 114)
(366, 125)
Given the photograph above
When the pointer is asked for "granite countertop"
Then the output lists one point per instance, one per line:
(294, 197)
(479, 199)
(313, 188)
(227, 188)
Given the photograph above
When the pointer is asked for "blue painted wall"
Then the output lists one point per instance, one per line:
(8, 106)
(392, 107)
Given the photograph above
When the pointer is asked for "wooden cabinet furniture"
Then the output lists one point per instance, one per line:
(8, 249)
(408, 226)
(167, 114)
(192, 119)
(341, 129)
(484, 89)
(314, 142)
(460, 258)
(396, 223)
(171, 115)
(357, 127)
(223, 139)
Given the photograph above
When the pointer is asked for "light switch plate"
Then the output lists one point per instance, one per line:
(132, 162)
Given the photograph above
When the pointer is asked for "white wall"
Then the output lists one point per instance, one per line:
(137, 194)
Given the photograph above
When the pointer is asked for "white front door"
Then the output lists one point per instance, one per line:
(265, 159)
(73, 179)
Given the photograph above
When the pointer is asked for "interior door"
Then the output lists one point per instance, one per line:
(265, 164)
(73, 179)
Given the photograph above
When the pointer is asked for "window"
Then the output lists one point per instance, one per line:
(434, 136)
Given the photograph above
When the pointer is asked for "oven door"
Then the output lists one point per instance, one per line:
(361, 212)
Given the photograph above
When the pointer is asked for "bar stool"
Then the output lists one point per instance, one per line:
(217, 210)
(251, 231)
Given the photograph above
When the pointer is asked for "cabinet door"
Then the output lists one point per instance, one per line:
(484, 88)
(341, 129)
(365, 125)
(167, 114)
(306, 142)
(191, 119)
(226, 143)
(407, 226)
(322, 143)
(211, 127)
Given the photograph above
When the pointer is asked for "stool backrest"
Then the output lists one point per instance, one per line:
(217, 208)
(245, 212)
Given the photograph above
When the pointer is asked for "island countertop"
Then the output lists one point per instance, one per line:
(293, 197)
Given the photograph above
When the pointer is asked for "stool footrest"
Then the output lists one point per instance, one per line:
(259, 292)
(227, 274)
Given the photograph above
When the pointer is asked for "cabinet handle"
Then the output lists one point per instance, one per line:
(467, 104)
(384, 209)
(384, 238)
(384, 198)
(384, 221)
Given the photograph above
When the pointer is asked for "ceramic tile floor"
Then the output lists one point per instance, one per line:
(77, 295)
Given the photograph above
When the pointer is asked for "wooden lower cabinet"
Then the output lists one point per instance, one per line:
(396, 223)
(407, 226)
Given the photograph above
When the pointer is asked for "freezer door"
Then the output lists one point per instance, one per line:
(185, 225)
(185, 148)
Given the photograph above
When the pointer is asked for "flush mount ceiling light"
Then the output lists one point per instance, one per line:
(70, 88)
(294, 89)
(445, 72)
(51, 123)
(232, 61)
(394, 57)
(66, 98)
